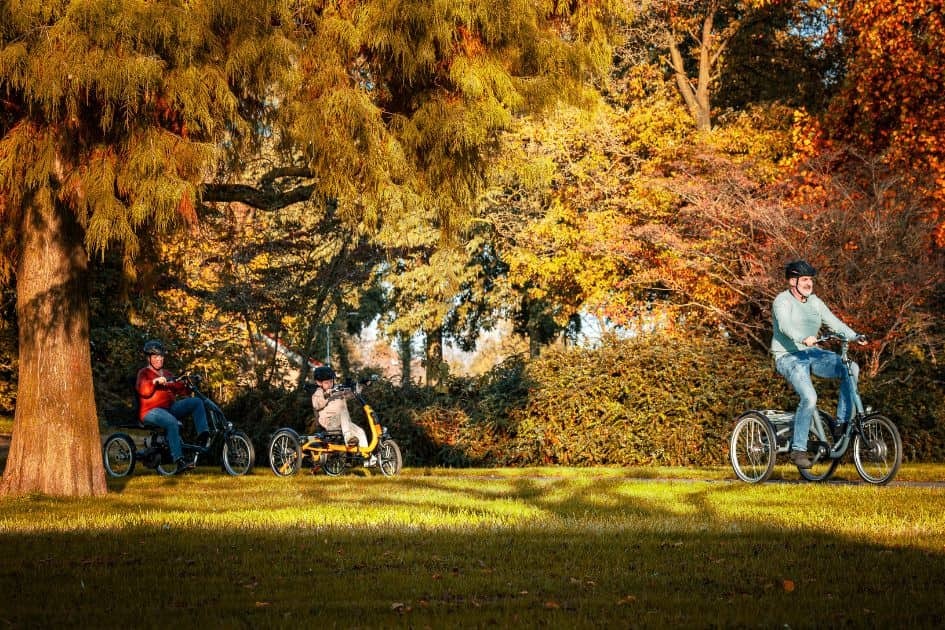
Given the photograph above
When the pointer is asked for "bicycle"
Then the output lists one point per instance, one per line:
(288, 450)
(232, 446)
(760, 436)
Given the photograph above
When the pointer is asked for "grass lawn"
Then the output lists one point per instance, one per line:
(556, 547)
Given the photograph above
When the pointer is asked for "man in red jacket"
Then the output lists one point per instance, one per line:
(158, 403)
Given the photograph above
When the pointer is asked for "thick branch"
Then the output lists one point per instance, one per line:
(266, 198)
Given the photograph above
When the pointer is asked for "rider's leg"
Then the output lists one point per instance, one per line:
(166, 420)
(350, 429)
(848, 385)
(796, 369)
(826, 364)
(194, 408)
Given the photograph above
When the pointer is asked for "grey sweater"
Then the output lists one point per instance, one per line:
(795, 321)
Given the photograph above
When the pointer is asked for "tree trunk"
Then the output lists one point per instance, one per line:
(56, 447)
(405, 352)
(437, 370)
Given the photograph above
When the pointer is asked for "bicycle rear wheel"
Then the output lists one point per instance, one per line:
(119, 455)
(877, 450)
(285, 453)
(752, 448)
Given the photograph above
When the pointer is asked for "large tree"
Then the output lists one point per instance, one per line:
(112, 113)
(114, 117)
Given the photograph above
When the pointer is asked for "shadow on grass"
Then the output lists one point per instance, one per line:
(442, 552)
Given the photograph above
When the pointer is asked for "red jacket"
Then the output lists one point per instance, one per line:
(151, 396)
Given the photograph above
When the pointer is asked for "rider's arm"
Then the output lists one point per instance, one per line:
(319, 400)
(791, 324)
(831, 321)
(145, 384)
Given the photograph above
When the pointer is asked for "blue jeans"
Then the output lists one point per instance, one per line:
(168, 419)
(797, 368)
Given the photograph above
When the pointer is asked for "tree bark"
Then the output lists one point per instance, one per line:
(405, 353)
(437, 370)
(56, 447)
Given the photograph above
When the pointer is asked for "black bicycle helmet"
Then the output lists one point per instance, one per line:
(798, 268)
(154, 347)
(323, 373)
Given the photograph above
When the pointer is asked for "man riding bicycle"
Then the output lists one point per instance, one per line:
(798, 316)
(159, 405)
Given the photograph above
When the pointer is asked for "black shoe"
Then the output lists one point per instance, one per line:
(183, 465)
(799, 459)
(838, 429)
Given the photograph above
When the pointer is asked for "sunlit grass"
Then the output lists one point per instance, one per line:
(460, 548)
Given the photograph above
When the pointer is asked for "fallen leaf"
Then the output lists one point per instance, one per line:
(788, 586)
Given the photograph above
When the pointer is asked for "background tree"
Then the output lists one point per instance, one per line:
(114, 115)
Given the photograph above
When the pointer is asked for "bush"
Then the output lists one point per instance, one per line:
(651, 401)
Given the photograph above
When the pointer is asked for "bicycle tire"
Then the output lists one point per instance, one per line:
(877, 450)
(752, 448)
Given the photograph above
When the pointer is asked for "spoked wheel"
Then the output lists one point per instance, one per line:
(389, 459)
(118, 455)
(877, 450)
(238, 454)
(167, 469)
(285, 453)
(752, 448)
(334, 465)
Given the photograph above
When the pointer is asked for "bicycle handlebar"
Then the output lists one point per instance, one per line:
(835, 337)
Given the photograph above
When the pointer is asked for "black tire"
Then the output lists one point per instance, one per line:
(818, 451)
(119, 455)
(334, 464)
(285, 453)
(238, 454)
(877, 450)
(389, 459)
(168, 469)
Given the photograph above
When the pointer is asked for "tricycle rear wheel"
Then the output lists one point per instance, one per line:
(119, 455)
(285, 453)
(752, 448)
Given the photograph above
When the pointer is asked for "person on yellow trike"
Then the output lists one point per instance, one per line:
(331, 408)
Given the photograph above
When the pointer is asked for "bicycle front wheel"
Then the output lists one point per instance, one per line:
(238, 454)
(389, 459)
(877, 450)
(752, 448)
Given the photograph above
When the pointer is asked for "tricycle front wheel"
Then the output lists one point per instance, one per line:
(877, 450)
(389, 459)
(238, 454)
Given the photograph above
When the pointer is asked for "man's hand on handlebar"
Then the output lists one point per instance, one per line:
(859, 339)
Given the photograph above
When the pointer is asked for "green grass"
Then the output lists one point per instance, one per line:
(446, 548)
